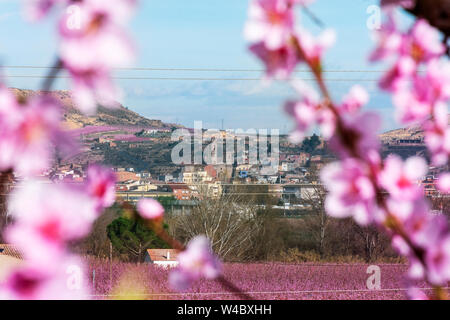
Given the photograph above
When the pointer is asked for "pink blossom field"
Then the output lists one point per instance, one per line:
(263, 281)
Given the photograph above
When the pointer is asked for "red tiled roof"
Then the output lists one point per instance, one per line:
(10, 250)
(163, 254)
(174, 186)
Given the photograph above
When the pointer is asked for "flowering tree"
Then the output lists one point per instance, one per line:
(361, 185)
(47, 216)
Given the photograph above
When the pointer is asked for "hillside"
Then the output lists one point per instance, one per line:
(74, 119)
(410, 133)
(402, 133)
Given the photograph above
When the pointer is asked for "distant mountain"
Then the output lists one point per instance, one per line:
(74, 119)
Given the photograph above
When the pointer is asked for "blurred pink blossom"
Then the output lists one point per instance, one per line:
(401, 179)
(64, 281)
(90, 50)
(356, 98)
(414, 105)
(423, 42)
(314, 47)
(437, 134)
(307, 112)
(351, 191)
(437, 259)
(101, 186)
(29, 132)
(397, 77)
(150, 209)
(360, 135)
(270, 22)
(389, 40)
(403, 3)
(423, 229)
(47, 215)
(197, 261)
(38, 9)
(443, 183)
(280, 63)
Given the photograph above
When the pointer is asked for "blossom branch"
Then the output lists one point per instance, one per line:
(361, 185)
(392, 223)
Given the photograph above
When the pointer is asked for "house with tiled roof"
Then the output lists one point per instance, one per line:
(166, 258)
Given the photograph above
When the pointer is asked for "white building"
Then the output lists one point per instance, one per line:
(166, 258)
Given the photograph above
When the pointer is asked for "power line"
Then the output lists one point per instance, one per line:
(192, 79)
(204, 69)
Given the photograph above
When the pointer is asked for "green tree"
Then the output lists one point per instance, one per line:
(310, 144)
(132, 238)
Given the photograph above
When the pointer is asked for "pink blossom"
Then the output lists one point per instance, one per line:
(435, 85)
(279, 63)
(389, 40)
(63, 281)
(327, 123)
(422, 229)
(302, 2)
(305, 111)
(38, 9)
(351, 191)
(437, 135)
(195, 262)
(308, 112)
(93, 47)
(427, 232)
(443, 183)
(46, 216)
(150, 209)
(403, 3)
(437, 259)
(270, 23)
(397, 77)
(356, 98)
(409, 110)
(420, 45)
(315, 47)
(423, 43)
(415, 104)
(305, 116)
(101, 186)
(360, 135)
(401, 179)
(29, 133)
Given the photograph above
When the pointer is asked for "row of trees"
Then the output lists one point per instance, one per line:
(241, 230)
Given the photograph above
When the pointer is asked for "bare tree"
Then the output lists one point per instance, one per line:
(228, 221)
(314, 197)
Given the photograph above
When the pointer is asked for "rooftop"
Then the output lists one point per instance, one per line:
(163, 254)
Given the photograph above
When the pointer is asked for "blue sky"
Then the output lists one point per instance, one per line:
(204, 34)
